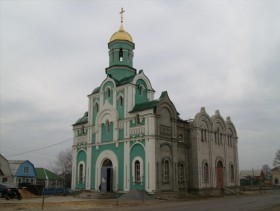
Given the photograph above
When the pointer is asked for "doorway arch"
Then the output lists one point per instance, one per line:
(220, 174)
(106, 176)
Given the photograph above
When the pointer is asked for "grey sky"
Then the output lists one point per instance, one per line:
(222, 55)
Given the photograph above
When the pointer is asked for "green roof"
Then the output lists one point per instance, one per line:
(124, 80)
(44, 174)
(96, 90)
(144, 106)
(82, 120)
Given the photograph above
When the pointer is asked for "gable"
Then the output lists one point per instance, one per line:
(25, 169)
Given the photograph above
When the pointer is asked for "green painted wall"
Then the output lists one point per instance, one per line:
(95, 109)
(120, 107)
(120, 73)
(106, 85)
(137, 150)
(81, 156)
(127, 56)
(121, 134)
(119, 152)
(106, 135)
(141, 96)
(93, 138)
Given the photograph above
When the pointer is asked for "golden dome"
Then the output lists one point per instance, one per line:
(121, 35)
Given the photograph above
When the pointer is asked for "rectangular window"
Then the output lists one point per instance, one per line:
(166, 171)
(137, 172)
(181, 173)
(25, 170)
(206, 172)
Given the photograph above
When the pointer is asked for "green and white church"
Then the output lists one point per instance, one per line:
(129, 140)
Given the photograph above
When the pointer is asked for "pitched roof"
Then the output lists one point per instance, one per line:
(14, 165)
(124, 80)
(145, 105)
(277, 168)
(82, 120)
(45, 174)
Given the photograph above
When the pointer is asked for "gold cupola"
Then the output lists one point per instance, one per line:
(121, 34)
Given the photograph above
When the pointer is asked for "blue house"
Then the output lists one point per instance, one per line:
(23, 171)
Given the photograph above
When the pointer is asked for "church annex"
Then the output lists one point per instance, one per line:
(129, 140)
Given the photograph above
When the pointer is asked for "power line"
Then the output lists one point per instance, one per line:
(34, 150)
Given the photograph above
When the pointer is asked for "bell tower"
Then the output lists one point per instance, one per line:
(121, 54)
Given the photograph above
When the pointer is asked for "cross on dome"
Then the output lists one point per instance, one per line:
(121, 12)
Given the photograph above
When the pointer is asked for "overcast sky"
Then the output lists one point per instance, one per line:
(221, 55)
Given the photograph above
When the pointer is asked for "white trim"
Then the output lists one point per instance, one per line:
(141, 168)
(84, 169)
(107, 154)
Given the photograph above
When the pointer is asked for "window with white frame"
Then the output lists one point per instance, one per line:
(81, 173)
(107, 126)
(121, 101)
(137, 171)
(25, 170)
(108, 92)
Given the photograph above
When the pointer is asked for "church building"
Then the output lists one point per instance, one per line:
(128, 140)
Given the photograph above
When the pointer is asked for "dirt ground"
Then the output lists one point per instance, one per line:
(62, 203)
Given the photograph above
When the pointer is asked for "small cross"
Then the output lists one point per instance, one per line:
(122, 11)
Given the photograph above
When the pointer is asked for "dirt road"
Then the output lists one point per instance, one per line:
(267, 201)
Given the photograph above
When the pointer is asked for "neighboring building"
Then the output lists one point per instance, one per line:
(48, 179)
(5, 171)
(129, 140)
(251, 177)
(276, 175)
(23, 171)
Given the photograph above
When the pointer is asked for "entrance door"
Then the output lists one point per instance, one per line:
(106, 176)
(220, 175)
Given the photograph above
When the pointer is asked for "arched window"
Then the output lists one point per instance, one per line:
(83, 129)
(231, 173)
(107, 126)
(96, 107)
(108, 92)
(121, 101)
(205, 172)
(216, 138)
(121, 54)
(140, 89)
(81, 173)
(181, 172)
(137, 171)
(166, 171)
(137, 119)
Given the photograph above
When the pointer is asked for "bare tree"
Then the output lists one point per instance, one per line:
(266, 169)
(63, 162)
(276, 161)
